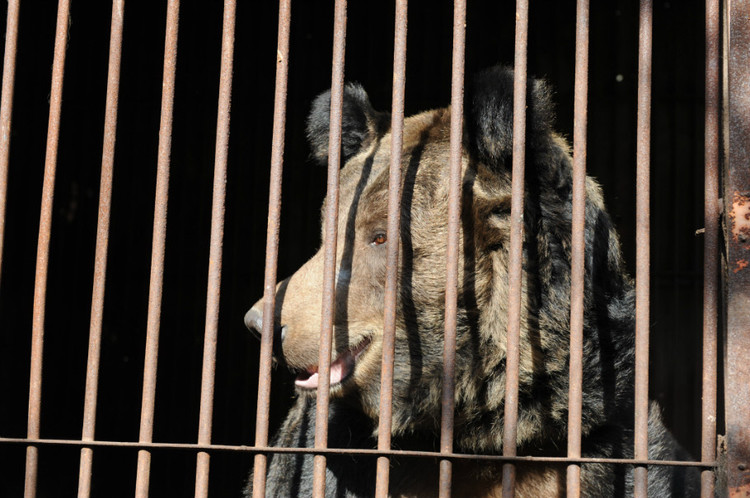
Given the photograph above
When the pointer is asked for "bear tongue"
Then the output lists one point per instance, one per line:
(340, 369)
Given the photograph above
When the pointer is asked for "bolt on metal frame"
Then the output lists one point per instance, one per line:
(736, 204)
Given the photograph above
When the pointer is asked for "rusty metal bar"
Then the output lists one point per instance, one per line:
(330, 242)
(215, 252)
(578, 229)
(391, 277)
(350, 451)
(515, 263)
(643, 241)
(272, 247)
(6, 110)
(102, 239)
(737, 238)
(454, 218)
(710, 247)
(42, 258)
(157, 249)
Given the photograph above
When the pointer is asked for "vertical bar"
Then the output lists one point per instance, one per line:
(6, 110)
(102, 239)
(737, 210)
(578, 227)
(710, 249)
(42, 258)
(515, 263)
(454, 217)
(215, 252)
(157, 250)
(331, 232)
(642, 239)
(272, 247)
(391, 277)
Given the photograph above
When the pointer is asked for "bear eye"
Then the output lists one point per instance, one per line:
(379, 239)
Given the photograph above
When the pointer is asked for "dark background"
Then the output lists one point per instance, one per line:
(677, 200)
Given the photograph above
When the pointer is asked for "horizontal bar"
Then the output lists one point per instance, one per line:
(348, 451)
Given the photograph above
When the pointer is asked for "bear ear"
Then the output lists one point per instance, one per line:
(489, 115)
(360, 123)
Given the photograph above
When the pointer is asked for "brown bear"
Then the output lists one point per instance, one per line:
(607, 422)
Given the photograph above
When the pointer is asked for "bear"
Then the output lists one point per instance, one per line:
(483, 294)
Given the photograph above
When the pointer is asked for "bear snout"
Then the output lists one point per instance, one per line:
(254, 323)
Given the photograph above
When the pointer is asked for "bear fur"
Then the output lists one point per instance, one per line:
(609, 304)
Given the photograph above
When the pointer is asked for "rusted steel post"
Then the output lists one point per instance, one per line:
(643, 241)
(6, 110)
(391, 277)
(42, 257)
(330, 244)
(454, 218)
(272, 248)
(157, 250)
(515, 263)
(578, 227)
(102, 239)
(737, 238)
(710, 248)
(208, 373)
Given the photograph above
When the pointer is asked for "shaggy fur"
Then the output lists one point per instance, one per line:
(607, 421)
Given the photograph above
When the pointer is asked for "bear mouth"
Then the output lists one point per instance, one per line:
(341, 368)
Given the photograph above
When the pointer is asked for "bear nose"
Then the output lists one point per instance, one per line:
(254, 323)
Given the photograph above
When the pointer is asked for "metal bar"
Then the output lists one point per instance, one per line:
(272, 247)
(102, 239)
(391, 278)
(515, 263)
(215, 252)
(42, 258)
(737, 238)
(330, 242)
(578, 245)
(642, 236)
(157, 249)
(454, 218)
(350, 451)
(6, 110)
(710, 247)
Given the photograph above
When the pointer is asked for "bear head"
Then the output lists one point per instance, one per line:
(483, 290)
